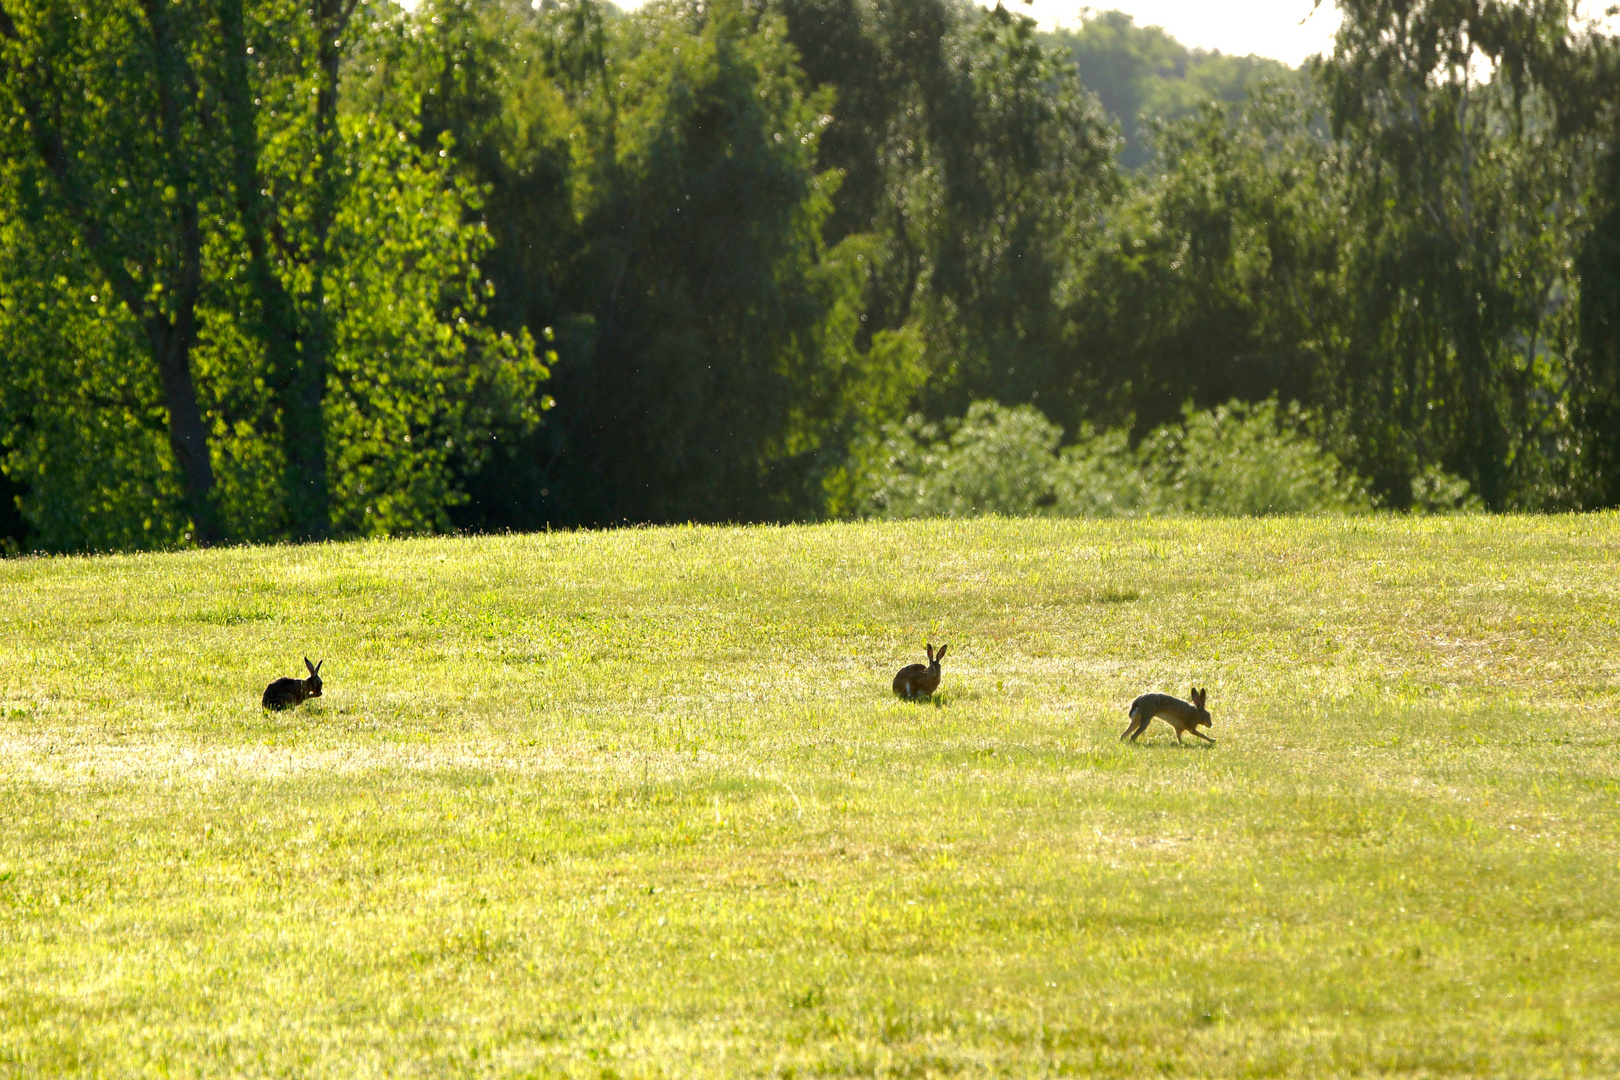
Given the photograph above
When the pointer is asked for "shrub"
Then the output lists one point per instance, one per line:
(1242, 460)
(1435, 491)
(1235, 460)
(994, 460)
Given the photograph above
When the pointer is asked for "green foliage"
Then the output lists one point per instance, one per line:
(1409, 277)
(1214, 278)
(326, 334)
(713, 359)
(103, 148)
(83, 422)
(896, 367)
(1595, 367)
(1436, 491)
(496, 79)
(1464, 199)
(701, 273)
(994, 460)
(974, 156)
(1142, 75)
(1022, 159)
(323, 239)
(1234, 460)
(1242, 460)
(480, 73)
(421, 387)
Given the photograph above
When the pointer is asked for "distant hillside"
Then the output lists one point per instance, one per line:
(1141, 72)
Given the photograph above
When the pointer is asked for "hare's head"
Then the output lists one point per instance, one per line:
(935, 657)
(312, 685)
(1198, 698)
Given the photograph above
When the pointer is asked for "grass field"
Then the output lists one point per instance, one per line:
(640, 803)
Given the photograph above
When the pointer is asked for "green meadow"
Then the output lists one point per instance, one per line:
(641, 804)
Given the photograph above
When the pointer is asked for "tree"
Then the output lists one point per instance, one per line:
(1596, 368)
(299, 51)
(1215, 277)
(700, 269)
(108, 145)
(1467, 181)
(1141, 74)
(188, 180)
(653, 185)
(1022, 162)
(491, 76)
(81, 405)
(976, 160)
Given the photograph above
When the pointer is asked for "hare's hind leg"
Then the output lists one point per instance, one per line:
(1137, 725)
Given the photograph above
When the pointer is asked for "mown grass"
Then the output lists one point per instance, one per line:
(640, 803)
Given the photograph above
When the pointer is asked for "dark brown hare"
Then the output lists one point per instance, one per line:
(1181, 715)
(920, 680)
(290, 693)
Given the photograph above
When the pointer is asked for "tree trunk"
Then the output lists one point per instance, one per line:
(278, 325)
(188, 435)
(173, 338)
(304, 393)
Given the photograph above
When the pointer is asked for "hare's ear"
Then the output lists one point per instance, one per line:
(318, 664)
(930, 649)
(310, 665)
(941, 654)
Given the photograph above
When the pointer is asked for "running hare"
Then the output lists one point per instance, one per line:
(1181, 715)
(920, 680)
(290, 693)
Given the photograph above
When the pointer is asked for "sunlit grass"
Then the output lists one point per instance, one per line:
(641, 803)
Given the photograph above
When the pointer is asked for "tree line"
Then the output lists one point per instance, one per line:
(296, 270)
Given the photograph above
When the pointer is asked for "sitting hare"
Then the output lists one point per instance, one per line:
(920, 680)
(290, 693)
(1181, 715)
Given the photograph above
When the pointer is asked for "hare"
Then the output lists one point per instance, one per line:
(290, 693)
(1181, 715)
(920, 680)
